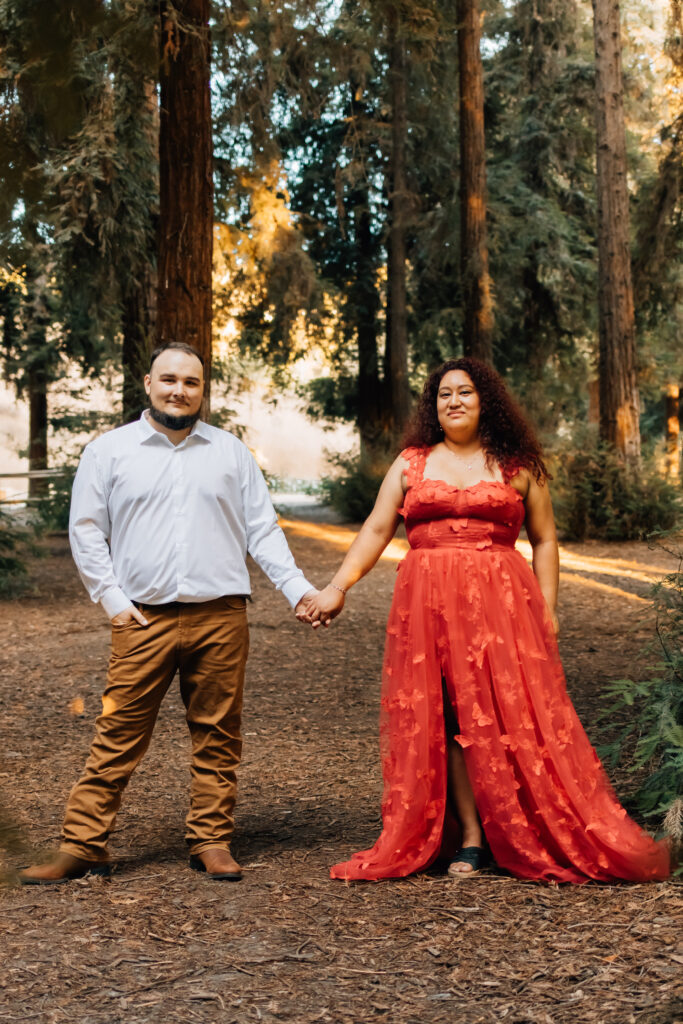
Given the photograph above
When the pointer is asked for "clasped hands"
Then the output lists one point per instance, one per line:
(319, 607)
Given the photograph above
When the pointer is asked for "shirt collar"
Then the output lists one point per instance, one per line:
(200, 431)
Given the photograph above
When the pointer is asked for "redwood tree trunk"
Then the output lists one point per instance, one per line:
(185, 181)
(397, 385)
(474, 258)
(40, 365)
(365, 301)
(619, 400)
(673, 432)
(138, 277)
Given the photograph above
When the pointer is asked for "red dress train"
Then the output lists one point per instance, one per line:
(467, 612)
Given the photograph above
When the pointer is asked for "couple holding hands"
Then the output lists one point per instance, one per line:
(483, 755)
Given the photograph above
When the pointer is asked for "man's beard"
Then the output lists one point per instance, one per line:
(173, 422)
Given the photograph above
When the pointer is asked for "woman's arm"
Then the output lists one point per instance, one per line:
(374, 535)
(540, 528)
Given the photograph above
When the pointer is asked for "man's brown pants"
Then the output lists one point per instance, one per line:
(208, 644)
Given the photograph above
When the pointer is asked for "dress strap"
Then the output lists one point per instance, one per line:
(416, 459)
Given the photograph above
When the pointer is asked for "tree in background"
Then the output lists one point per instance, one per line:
(300, 179)
(396, 350)
(657, 259)
(336, 137)
(540, 165)
(317, 102)
(55, 98)
(619, 397)
(476, 284)
(134, 61)
(184, 283)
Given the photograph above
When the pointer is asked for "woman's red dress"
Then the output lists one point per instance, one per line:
(468, 613)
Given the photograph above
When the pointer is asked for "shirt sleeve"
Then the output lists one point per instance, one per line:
(89, 530)
(266, 543)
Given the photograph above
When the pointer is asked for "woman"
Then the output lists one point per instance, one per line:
(474, 706)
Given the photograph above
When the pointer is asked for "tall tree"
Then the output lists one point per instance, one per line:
(134, 66)
(541, 138)
(657, 257)
(478, 308)
(673, 431)
(306, 96)
(53, 157)
(619, 397)
(186, 180)
(363, 293)
(396, 353)
(39, 366)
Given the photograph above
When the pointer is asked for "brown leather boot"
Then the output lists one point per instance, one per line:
(218, 864)
(62, 868)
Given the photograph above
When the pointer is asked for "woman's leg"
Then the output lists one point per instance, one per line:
(462, 799)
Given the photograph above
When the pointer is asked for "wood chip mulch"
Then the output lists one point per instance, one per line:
(156, 942)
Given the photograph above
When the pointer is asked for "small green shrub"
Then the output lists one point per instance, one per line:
(653, 709)
(352, 492)
(16, 544)
(596, 496)
(53, 507)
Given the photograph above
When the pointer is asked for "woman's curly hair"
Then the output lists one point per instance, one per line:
(505, 435)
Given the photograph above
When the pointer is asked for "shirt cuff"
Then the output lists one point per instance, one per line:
(295, 588)
(114, 601)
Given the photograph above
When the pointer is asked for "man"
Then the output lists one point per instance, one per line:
(163, 514)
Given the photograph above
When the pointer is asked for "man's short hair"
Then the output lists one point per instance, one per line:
(175, 346)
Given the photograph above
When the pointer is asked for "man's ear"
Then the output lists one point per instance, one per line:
(148, 383)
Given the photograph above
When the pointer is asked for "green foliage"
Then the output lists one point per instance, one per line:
(352, 492)
(310, 96)
(596, 495)
(53, 507)
(78, 181)
(294, 485)
(302, 158)
(330, 398)
(540, 172)
(653, 708)
(16, 544)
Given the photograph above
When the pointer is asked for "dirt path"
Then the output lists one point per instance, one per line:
(158, 943)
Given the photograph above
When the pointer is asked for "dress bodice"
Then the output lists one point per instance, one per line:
(489, 514)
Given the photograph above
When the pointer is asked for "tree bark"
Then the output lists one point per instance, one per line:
(185, 181)
(139, 281)
(474, 260)
(673, 432)
(619, 399)
(37, 430)
(40, 359)
(364, 301)
(396, 354)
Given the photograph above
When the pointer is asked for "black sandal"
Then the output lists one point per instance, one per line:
(476, 856)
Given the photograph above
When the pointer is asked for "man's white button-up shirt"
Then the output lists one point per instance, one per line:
(155, 522)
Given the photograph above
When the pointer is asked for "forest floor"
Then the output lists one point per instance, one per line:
(158, 943)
